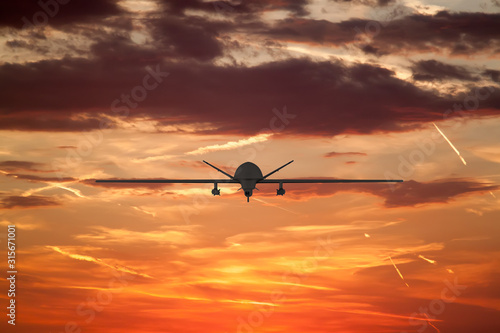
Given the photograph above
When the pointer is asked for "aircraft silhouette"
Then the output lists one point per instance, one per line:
(247, 175)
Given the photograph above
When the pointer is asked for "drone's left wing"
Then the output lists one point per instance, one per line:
(171, 181)
(306, 181)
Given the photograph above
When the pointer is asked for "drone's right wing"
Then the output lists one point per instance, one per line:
(171, 181)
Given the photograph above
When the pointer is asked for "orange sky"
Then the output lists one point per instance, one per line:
(421, 256)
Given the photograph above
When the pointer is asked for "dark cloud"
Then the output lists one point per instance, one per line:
(13, 166)
(457, 33)
(412, 193)
(430, 70)
(309, 30)
(27, 202)
(454, 33)
(24, 13)
(322, 97)
(366, 2)
(22, 44)
(296, 7)
(48, 122)
(370, 49)
(492, 74)
(191, 37)
(407, 194)
(337, 154)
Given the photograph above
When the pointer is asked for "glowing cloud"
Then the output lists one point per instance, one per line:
(231, 144)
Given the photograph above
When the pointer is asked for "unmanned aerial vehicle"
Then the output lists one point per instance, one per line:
(248, 175)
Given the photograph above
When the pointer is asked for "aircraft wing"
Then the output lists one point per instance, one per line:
(171, 181)
(305, 181)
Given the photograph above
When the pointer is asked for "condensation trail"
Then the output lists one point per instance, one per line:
(493, 195)
(397, 270)
(451, 144)
(139, 209)
(231, 145)
(429, 322)
(274, 205)
(434, 262)
(427, 259)
(76, 192)
(97, 261)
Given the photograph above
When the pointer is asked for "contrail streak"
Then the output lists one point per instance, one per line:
(139, 209)
(397, 270)
(427, 259)
(76, 192)
(97, 261)
(451, 144)
(276, 206)
(429, 322)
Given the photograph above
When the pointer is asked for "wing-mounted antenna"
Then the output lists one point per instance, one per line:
(281, 167)
(216, 168)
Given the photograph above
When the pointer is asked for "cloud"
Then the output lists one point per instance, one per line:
(321, 96)
(15, 14)
(338, 154)
(27, 202)
(297, 7)
(366, 2)
(494, 75)
(430, 70)
(453, 33)
(191, 37)
(12, 166)
(48, 122)
(170, 235)
(21, 225)
(410, 193)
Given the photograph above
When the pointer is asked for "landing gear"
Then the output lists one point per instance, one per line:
(281, 190)
(215, 191)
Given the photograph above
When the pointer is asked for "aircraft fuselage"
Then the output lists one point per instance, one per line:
(247, 174)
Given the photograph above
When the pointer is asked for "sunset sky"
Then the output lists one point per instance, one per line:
(400, 89)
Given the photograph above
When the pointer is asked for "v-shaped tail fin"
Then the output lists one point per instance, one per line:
(281, 167)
